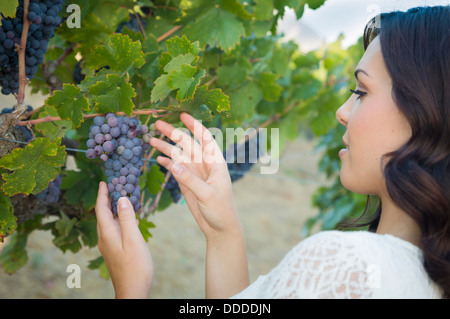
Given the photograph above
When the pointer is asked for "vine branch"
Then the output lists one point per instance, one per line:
(57, 118)
(21, 53)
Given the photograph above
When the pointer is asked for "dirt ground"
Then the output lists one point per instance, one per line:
(273, 209)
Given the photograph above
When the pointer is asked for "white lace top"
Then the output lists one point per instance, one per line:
(356, 264)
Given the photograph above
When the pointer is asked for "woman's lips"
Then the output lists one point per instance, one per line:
(344, 150)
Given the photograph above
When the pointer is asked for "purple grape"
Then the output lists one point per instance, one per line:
(98, 150)
(131, 179)
(129, 188)
(91, 143)
(131, 134)
(127, 154)
(95, 130)
(104, 157)
(124, 171)
(111, 187)
(134, 171)
(105, 128)
(115, 132)
(113, 122)
(134, 200)
(137, 150)
(99, 120)
(129, 144)
(108, 146)
(99, 138)
(108, 163)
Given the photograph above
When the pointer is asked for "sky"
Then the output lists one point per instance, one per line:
(340, 16)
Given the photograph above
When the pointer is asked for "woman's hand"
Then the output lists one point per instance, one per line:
(206, 186)
(124, 250)
(204, 180)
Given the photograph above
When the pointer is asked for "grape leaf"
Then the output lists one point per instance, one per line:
(233, 71)
(243, 101)
(88, 231)
(69, 104)
(79, 186)
(161, 89)
(216, 26)
(184, 81)
(235, 7)
(120, 54)
(52, 129)
(113, 94)
(33, 166)
(154, 179)
(263, 9)
(176, 46)
(315, 4)
(144, 226)
(176, 63)
(8, 8)
(267, 83)
(8, 221)
(14, 255)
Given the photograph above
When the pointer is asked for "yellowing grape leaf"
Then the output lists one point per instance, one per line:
(33, 167)
(8, 8)
(8, 221)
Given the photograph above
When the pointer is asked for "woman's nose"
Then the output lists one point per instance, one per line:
(342, 114)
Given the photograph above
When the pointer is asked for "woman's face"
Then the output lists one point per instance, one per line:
(375, 126)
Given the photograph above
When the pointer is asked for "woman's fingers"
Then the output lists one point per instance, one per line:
(211, 151)
(103, 207)
(174, 152)
(186, 142)
(206, 152)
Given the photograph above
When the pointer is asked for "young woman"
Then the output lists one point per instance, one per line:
(397, 145)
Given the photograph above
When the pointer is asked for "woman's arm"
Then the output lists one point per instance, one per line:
(206, 186)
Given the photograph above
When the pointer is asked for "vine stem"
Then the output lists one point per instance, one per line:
(21, 53)
(169, 33)
(57, 118)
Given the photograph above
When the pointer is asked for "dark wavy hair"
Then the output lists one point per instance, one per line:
(416, 49)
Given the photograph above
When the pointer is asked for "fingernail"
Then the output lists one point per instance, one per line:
(177, 168)
(123, 203)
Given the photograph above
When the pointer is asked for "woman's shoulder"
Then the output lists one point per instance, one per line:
(360, 240)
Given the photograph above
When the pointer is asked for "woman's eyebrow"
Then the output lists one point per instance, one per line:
(362, 71)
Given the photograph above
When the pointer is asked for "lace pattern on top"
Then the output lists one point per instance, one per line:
(334, 264)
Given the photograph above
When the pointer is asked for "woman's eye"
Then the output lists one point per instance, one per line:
(360, 93)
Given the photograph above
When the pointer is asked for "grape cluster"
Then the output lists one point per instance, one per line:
(133, 22)
(120, 142)
(51, 193)
(237, 168)
(43, 18)
(28, 135)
